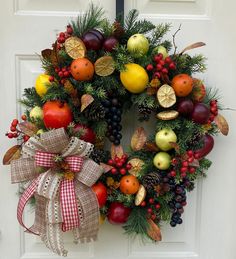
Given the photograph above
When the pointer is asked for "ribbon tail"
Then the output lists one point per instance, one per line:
(88, 230)
(69, 206)
(25, 197)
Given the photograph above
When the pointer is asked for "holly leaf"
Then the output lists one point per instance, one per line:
(116, 151)
(86, 100)
(222, 124)
(138, 139)
(192, 46)
(154, 231)
(28, 128)
(12, 154)
(106, 167)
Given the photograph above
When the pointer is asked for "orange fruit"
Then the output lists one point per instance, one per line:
(182, 84)
(129, 184)
(82, 69)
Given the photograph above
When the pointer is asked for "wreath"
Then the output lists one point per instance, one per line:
(95, 72)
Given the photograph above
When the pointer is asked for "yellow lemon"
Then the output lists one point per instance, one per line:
(41, 84)
(134, 78)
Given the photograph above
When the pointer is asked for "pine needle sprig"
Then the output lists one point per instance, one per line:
(55, 92)
(158, 33)
(91, 19)
(121, 57)
(137, 223)
(144, 100)
(31, 98)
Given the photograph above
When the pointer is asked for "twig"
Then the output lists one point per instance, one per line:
(228, 109)
(174, 35)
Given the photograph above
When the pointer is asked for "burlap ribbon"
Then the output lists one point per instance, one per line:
(61, 204)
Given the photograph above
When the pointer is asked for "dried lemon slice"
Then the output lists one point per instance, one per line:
(104, 66)
(75, 47)
(140, 196)
(167, 115)
(137, 165)
(166, 96)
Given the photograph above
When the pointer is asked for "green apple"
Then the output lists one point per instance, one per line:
(36, 113)
(161, 49)
(138, 45)
(164, 138)
(162, 160)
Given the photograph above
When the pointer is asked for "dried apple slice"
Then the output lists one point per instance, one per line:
(140, 195)
(104, 66)
(137, 165)
(168, 115)
(166, 96)
(75, 47)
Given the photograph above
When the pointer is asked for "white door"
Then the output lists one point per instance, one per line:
(208, 232)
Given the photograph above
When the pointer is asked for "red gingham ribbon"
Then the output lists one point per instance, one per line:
(69, 206)
(25, 197)
(45, 159)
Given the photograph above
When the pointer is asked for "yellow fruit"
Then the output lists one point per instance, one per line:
(41, 84)
(104, 66)
(134, 78)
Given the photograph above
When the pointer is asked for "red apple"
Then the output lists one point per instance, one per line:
(118, 213)
(208, 144)
(110, 43)
(101, 193)
(93, 40)
(56, 114)
(85, 133)
(185, 106)
(98, 34)
(200, 113)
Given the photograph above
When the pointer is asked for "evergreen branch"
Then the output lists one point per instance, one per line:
(91, 19)
(100, 129)
(130, 19)
(31, 98)
(158, 33)
(55, 92)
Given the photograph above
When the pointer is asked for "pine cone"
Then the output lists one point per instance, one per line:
(94, 112)
(99, 155)
(145, 112)
(150, 180)
(118, 30)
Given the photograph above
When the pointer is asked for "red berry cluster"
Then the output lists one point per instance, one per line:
(65, 35)
(63, 73)
(162, 66)
(213, 110)
(14, 131)
(152, 207)
(120, 165)
(184, 166)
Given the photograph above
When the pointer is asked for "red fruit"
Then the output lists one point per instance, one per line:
(113, 170)
(151, 200)
(173, 173)
(199, 90)
(159, 67)
(123, 171)
(185, 106)
(61, 74)
(62, 35)
(164, 70)
(185, 163)
(98, 34)
(156, 58)
(101, 193)
(183, 175)
(14, 122)
(66, 73)
(162, 62)
(26, 138)
(23, 117)
(208, 144)
(168, 60)
(128, 166)
(200, 113)
(92, 40)
(13, 128)
(85, 133)
(172, 66)
(192, 170)
(56, 114)
(69, 29)
(183, 169)
(149, 67)
(190, 153)
(149, 210)
(119, 164)
(190, 159)
(51, 78)
(158, 206)
(110, 44)
(110, 162)
(10, 135)
(15, 135)
(153, 216)
(118, 213)
(143, 204)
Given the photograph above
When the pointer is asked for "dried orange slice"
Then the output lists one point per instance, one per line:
(137, 165)
(167, 115)
(166, 96)
(75, 47)
(104, 66)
